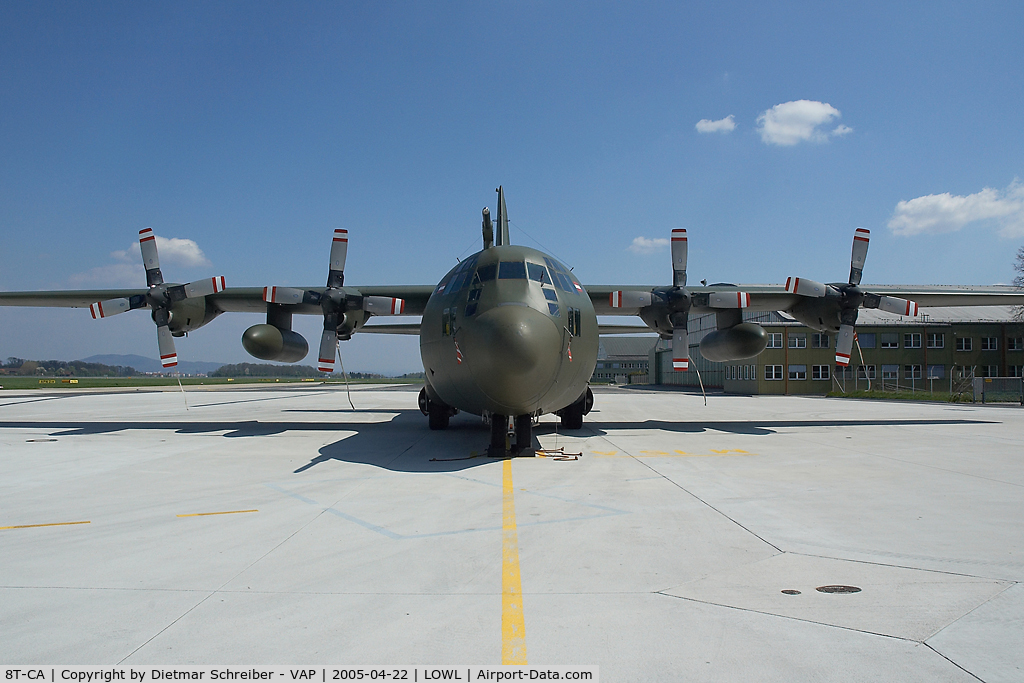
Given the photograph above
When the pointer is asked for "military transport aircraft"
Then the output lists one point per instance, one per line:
(509, 333)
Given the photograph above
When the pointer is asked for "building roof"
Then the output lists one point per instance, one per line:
(625, 347)
(945, 315)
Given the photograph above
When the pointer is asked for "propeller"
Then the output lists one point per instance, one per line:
(160, 298)
(851, 297)
(334, 301)
(667, 309)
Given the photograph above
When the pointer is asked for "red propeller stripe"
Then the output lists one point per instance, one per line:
(341, 235)
(842, 359)
(861, 234)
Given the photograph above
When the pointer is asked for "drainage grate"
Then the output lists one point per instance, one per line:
(837, 589)
(790, 591)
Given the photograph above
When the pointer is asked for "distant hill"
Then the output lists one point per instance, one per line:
(143, 364)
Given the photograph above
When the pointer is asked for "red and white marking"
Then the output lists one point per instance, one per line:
(341, 235)
(458, 353)
(861, 235)
(96, 310)
(791, 284)
(842, 359)
(568, 351)
(219, 284)
(577, 286)
(615, 299)
(678, 234)
(326, 365)
(680, 364)
(170, 360)
(146, 234)
(397, 306)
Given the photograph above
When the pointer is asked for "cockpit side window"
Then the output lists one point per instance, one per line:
(512, 270)
(538, 273)
(486, 273)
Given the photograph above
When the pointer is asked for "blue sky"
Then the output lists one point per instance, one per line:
(254, 129)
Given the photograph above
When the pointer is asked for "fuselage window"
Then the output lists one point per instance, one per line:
(550, 295)
(447, 322)
(470, 308)
(474, 294)
(458, 282)
(538, 273)
(487, 273)
(563, 282)
(553, 309)
(512, 270)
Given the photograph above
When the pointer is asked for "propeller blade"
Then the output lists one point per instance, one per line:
(166, 344)
(383, 305)
(210, 285)
(844, 345)
(150, 259)
(105, 309)
(861, 236)
(339, 252)
(328, 349)
(804, 287)
(680, 350)
(628, 299)
(679, 257)
(898, 306)
(729, 300)
(283, 295)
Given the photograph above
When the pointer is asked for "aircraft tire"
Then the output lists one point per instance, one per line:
(572, 416)
(438, 415)
(524, 433)
(499, 432)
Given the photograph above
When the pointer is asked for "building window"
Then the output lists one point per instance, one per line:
(936, 372)
(798, 341)
(911, 372)
(866, 340)
(844, 372)
(1015, 344)
(819, 341)
(1014, 371)
(865, 372)
(959, 371)
(820, 372)
(989, 343)
(774, 340)
(890, 340)
(890, 372)
(773, 371)
(912, 340)
(797, 371)
(964, 344)
(936, 341)
(989, 370)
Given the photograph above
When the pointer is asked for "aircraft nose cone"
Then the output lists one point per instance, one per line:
(513, 352)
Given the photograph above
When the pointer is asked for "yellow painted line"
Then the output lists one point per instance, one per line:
(35, 526)
(228, 512)
(513, 627)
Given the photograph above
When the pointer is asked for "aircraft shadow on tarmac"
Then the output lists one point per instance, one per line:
(399, 440)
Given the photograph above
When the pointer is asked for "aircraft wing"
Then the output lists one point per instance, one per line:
(776, 298)
(230, 300)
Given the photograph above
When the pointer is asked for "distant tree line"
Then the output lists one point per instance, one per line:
(61, 368)
(264, 370)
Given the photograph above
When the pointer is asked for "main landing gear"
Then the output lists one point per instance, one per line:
(437, 413)
(572, 414)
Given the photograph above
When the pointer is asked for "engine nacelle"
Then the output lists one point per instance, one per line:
(818, 313)
(744, 340)
(268, 342)
(190, 314)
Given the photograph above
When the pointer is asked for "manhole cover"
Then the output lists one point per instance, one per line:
(837, 589)
(790, 591)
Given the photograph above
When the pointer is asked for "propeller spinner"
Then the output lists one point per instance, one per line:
(160, 297)
(851, 297)
(334, 301)
(669, 307)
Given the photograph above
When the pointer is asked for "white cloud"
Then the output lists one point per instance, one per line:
(940, 213)
(726, 125)
(644, 245)
(799, 121)
(128, 272)
(172, 250)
